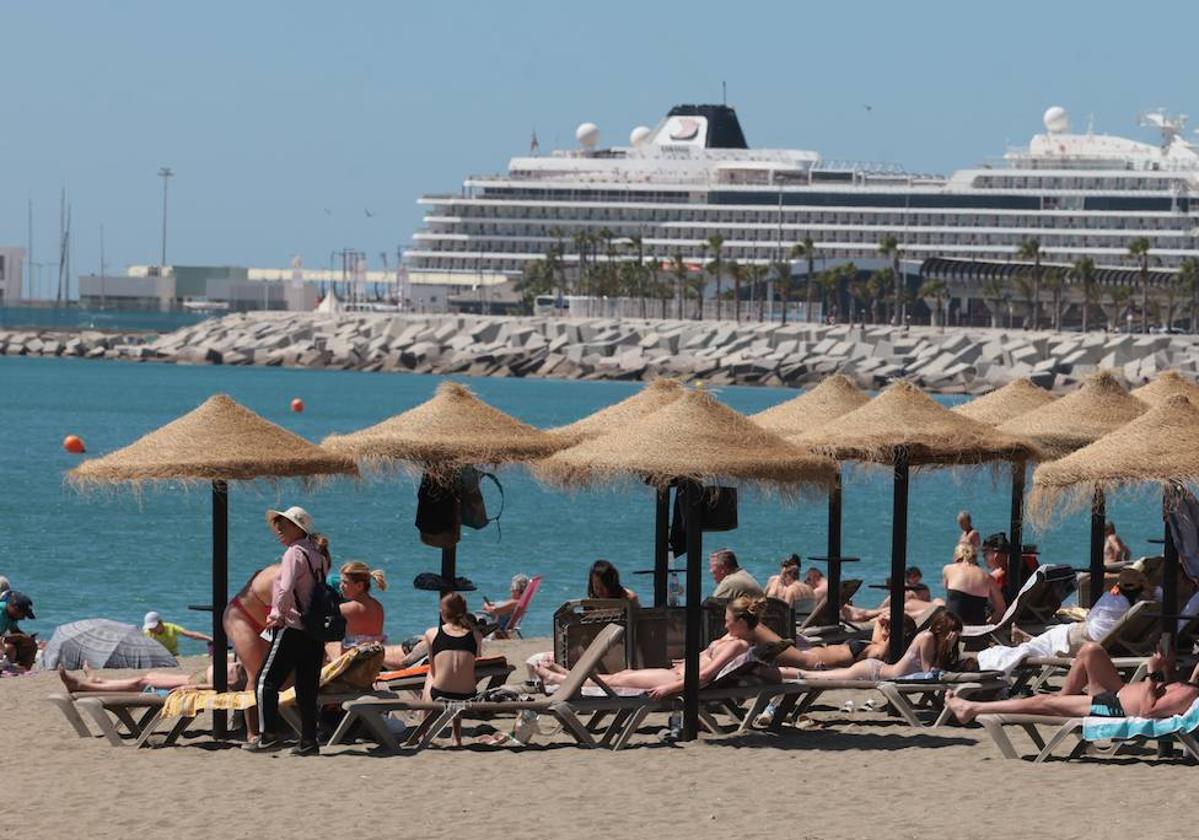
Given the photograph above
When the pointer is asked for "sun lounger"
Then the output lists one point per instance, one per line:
(566, 705)
(821, 624)
(490, 672)
(1032, 610)
(109, 711)
(512, 629)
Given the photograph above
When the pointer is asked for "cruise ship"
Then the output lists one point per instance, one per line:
(694, 175)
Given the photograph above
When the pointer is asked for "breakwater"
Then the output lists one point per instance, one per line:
(953, 361)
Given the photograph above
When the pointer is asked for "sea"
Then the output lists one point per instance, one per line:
(118, 554)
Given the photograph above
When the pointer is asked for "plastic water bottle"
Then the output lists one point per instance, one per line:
(673, 591)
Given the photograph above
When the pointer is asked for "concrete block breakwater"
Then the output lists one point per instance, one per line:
(961, 360)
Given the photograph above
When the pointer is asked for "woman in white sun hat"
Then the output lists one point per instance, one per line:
(305, 562)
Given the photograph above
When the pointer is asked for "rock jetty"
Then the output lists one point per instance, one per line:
(957, 360)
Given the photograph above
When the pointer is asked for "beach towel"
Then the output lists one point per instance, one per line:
(1117, 729)
(1053, 642)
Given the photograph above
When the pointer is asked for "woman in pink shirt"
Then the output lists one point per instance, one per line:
(292, 650)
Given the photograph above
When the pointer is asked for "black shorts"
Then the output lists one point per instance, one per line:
(1107, 704)
(438, 694)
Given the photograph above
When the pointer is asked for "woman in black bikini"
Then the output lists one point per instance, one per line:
(453, 647)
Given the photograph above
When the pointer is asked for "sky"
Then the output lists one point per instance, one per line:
(287, 123)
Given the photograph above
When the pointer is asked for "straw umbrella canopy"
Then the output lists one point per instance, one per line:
(1166, 385)
(904, 427)
(1078, 419)
(1161, 446)
(1018, 397)
(693, 440)
(220, 441)
(834, 396)
(655, 395)
(452, 430)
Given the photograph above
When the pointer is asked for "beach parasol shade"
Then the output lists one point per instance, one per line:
(902, 417)
(1019, 396)
(834, 396)
(1162, 445)
(453, 429)
(101, 643)
(220, 440)
(695, 438)
(1165, 386)
(655, 395)
(1100, 406)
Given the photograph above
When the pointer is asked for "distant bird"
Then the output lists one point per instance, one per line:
(868, 107)
(369, 214)
(328, 212)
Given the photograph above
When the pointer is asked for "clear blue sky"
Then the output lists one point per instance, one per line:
(272, 112)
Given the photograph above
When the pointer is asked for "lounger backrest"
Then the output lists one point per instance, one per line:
(1137, 631)
(1040, 596)
(522, 604)
(589, 661)
(820, 616)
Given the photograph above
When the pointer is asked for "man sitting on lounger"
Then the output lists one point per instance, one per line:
(1094, 688)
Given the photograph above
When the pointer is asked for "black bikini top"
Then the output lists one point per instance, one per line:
(444, 641)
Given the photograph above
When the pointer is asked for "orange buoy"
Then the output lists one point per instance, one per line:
(297, 405)
(74, 444)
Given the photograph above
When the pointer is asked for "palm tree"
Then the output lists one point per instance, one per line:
(1030, 249)
(756, 274)
(782, 284)
(1055, 281)
(679, 269)
(737, 272)
(1027, 288)
(807, 249)
(938, 290)
(714, 244)
(1188, 277)
(638, 245)
(888, 246)
(993, 291)
(1083, 271)
(880, 284)
(1119, 296)
(1138, 249)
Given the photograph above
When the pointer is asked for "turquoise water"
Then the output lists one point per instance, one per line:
(117, 555)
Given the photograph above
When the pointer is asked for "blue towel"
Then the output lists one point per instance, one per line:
(1115, 729)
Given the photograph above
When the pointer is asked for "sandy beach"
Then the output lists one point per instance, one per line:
(861, 777)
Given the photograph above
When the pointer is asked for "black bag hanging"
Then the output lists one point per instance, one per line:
(437, 514)
(322, 616)
(472, 506)
(719, 514)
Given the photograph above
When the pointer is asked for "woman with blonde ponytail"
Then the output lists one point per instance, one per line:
(362, 612)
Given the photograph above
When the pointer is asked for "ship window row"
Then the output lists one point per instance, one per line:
(1058, 182)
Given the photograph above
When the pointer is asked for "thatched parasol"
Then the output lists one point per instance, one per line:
(903, 427)
(834, 396)
(1078, 419)
(1012, 400)
(220, 441)
(1166, 385)
(1160, 446)
(1019, 396)
(452, 430)
(655, 395)
(692, 440)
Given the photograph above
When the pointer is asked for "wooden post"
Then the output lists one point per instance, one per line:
(899, 552)
(1015, 558)
(834, 517)
(693, 499)
(1098, 515)
(449, 567)
(661, 546)
(220, 594)
(1169, 571)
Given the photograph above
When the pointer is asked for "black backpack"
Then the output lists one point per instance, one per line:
(322, 616)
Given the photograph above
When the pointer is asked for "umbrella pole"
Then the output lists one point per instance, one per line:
(1015, 557)
(899, 552)
(1098, 514)
(661, 545)
(449, 566)
(834, 516)
(693, 498)
(1169, 572)
(220, 594)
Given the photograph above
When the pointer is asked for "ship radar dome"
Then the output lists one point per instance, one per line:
(1057, 121)
(587, 134)
(639, 135)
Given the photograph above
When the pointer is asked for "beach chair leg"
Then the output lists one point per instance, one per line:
(67, 706)
(570, 722)
(634, 722)
(1039, 681)
(995, 729)
(439, 722)
(148, 727)
(900, 703)
(709, 722)
(596, 719)
(375, 721)
(95, 709)
(1188, 743)
(1034, 735)
(177, 730)
(1066, 730)
(756, 708)
(807, 702)
(126, 719)
(782, 714)
(619, 720)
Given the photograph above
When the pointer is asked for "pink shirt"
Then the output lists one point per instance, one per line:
(293, 587)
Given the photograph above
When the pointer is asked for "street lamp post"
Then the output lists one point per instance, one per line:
(166, 174)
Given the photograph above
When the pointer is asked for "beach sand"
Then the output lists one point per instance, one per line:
(861, 777)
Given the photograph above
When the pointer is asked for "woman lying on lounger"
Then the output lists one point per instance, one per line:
(838, 655)
(152, 680)
(740, 619)
(936, 647)
(1093, 687)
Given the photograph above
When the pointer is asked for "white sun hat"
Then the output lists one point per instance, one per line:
(295, 515)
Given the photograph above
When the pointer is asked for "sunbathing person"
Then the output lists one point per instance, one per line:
(969, 589)
(152, 680)
(839, 655)
(604, 582)
(1093, 688)
(501, 611)
(786, 585)
(914, 605)
(936, 647)
(362, 611)
(453, 648)
(741, 617)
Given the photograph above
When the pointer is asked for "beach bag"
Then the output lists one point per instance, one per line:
(322, 616)
(472, 507)
(719, 514)
(437, 514)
